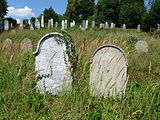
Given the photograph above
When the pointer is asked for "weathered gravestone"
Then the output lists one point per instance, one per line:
(108, 72)
(93, 24)
(106, 25)
(42, 21)
(139, 28)
(21, 26)
(112, 25)
(6, 25)
(26, 45)
(56, 24)
(53, 56)
(124, 26)
(13, 31)
(7, 42)
(141, 46)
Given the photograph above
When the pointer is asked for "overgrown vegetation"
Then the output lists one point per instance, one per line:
(19, 99)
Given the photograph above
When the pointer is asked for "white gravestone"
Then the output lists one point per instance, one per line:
(52, 23)
(141, 46)
(56, 24)
(112, 25)
(6, 25)
(21, 26)
(86, 24)
(83, 27)
(49, 24)
(108, 72)
(63, 25)
(42, 21)
(52, 65)
(26, 45)
(106, 25)
(124, 26)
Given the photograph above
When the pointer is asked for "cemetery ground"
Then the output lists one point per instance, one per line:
(20, 101)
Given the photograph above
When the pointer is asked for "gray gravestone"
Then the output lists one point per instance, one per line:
(106, 25)
(49, 24)
(83, 27)
(26, 46)
(6, 25)
(93, 24)
(52, 23)
(53, 65)
(108, 72)
(141, 46)
(56, 24)
(139, 28)
(65, 24)
(7, 42)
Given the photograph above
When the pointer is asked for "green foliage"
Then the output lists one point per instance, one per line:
(50, 13)
(131, 13)
(3, 8)
(152, 18)
(11, 20)
(33, 20)
(72, 10)
(86, 9)
(107, 10)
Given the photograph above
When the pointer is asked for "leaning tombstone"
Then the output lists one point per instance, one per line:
(26, 46)
(55, 60)
(6, 25)
(108, 72)
(7, 42)
(141, 46)
(139, 28)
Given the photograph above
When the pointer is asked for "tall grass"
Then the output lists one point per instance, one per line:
(19, 99)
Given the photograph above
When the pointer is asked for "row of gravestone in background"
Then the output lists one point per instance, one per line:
(108, 66)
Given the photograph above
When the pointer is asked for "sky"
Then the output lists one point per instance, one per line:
(25, 9)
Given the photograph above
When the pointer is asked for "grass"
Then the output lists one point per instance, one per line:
(20, 101)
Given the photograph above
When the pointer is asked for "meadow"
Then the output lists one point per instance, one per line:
(20, 101)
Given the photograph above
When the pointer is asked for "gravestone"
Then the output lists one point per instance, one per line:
(13, 31)
(21, 26)
(63, 25)
(6, 25)
(31, 26)
(93, 24)
(56, 24)
(108, 72)
(124, 26)
(7, 42)
(26, 45)
(74, 23)
(83, 27)
(101, 26)
(11, 25)
(38, 24)
(42, 21)
(141, 46)
(158, 28)
(112, 25)
(52, 23)
(139, 28)
(49, 24)
(53, 65)
(86, 27)
(106, 25)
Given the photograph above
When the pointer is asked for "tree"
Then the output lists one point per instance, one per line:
(152, 18)
(131, 12)
(50, 13)
(11, 20)
(86, 9)
(3, 8)
(33, 20)
(107, 10)
(72, 11)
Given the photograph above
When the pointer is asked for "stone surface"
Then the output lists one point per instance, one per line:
(93, 24)
(112, 25)
(56, 24)
(6, 25)
(42, 21)
(7, 42)
(13, 31)
(124, 26)
(83, 27)
(26, 45)
(52, 65)
(106, 25)
(141, 46)
(108, 72)
(52, 23)
(49, 24)
(63, 25)
(21, 26)
(139, 28)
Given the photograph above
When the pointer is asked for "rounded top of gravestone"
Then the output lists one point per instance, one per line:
(26, 45)
(7, 42)
(141, 46)
(109, 46)
(13, 31)
(45, 37)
